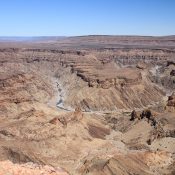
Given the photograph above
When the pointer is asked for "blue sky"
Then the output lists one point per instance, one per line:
(86, 17)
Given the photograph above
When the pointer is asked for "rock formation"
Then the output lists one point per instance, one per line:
(7, 167)
(90, 105)
(172, 73)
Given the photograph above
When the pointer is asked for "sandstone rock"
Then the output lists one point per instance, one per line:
(141, 65)
(7, 167)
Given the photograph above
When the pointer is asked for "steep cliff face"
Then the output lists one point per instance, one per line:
(94, 85)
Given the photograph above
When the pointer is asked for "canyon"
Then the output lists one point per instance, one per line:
(88, 105)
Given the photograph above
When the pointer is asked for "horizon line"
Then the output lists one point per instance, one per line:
(132, 35)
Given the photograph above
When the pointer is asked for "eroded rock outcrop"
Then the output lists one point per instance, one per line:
(148, 114)
(127, 164)
(171, 102)
(172, 73)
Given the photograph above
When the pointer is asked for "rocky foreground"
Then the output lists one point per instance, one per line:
(88, 109)
(7, 167)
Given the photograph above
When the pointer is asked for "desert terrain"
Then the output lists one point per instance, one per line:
(88, 105)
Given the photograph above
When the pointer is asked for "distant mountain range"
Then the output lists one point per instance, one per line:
(29, 38)
(54, 38)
